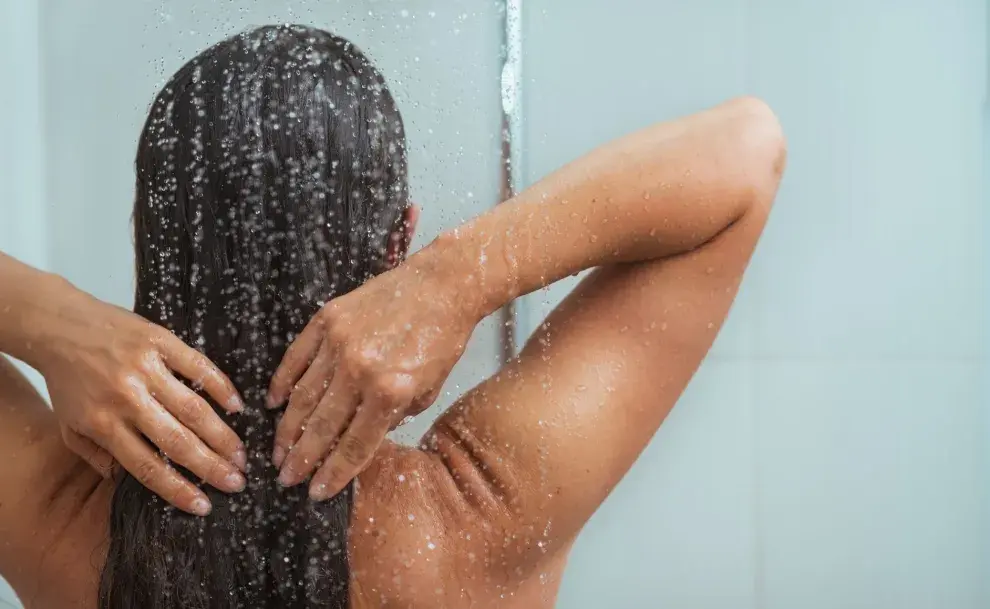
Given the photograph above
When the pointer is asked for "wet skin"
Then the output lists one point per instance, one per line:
(485, 511)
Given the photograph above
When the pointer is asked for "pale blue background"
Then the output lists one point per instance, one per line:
(833, 451)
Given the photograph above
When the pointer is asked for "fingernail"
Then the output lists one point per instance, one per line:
(201, 506)
(271, 401)
(240, 459)
(235, 482)
(278, 455)
(318, 492)
(286, 477)
(235, 404)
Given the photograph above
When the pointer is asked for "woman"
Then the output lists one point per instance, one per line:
(271, 177)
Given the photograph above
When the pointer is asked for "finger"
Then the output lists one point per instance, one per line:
(89, 451)
(134, 455)
(198, 416)
(198, 368)
(322, 429)
(415, 407)
(305, 397)
(182, 446)
(303, 350)
(351, 455)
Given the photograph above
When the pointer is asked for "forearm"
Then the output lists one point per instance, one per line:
(29, 301)
(656, 193)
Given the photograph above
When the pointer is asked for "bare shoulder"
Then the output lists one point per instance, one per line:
(69, 573)
(53, 506)
(418, 538)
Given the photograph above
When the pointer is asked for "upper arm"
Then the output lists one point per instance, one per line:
(540, 445)
(42, 484)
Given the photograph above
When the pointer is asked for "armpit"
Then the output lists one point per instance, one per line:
(480, 476)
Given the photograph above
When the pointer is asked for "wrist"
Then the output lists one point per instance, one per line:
(466, 271)
(33, 319)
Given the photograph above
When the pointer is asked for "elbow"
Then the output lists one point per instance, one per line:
(763, 149)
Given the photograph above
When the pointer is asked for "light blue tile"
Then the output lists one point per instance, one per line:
(878, 242)
(593, 72)
(871, 483)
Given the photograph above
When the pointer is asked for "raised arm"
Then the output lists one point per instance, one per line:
(110, 377)
(657, 193)
(670, 213)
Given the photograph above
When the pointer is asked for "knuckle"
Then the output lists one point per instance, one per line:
(331, 312)
(125, 381)
(145, 472)
(99, 424)
(206, 377)
(148, 363)
(337, 331)
(158, 335)
(200, 370)
(229, 440)
(391, 387)
(319, 425)
(215, 470)
(331, 474)
(302, 395)
(220, 382)
(191, 411)
(175, 442)
(354, 450)
(357, 361)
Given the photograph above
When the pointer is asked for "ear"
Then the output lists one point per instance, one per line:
(400, 240)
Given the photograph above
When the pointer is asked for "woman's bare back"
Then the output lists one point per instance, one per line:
(411, 544)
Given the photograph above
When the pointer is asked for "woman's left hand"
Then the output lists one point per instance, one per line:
(113, 378)
(365, 362)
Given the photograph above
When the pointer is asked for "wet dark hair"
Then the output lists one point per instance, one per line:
(270, 174)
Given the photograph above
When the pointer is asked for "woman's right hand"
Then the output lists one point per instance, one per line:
(366, 361)
(112, 380)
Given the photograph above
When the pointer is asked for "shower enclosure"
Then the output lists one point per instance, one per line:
(833, 450)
